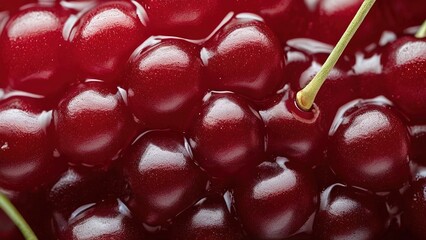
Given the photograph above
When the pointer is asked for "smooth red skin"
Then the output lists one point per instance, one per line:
(418, 143)
(244, 57)
(349, 213)
(192, 19)
(31, 50)
(405, 69)
(208, 219)
(368, 75)
(7, 5)
(163, 177)
(26, 154)
(274, 201)
(370, 149)
(104, 221)
(293, 133)
(164, 84)
(414, 206)
(104, 37)
(287, 18)
(227, 135)
(406, 13)
(330, 18)
(91, 124)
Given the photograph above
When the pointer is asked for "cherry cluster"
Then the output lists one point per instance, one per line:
(177, 119)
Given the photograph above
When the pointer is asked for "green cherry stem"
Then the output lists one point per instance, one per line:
(305, 98)
(421, 33)
(17, 218)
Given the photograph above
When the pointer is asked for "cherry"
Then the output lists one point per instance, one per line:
(107, 220)
(163, 177)
(330, 18)
(227, 135)
(276, 13)
(31, 49)
(164, 84)
(414, 208)
(407, 13)
(92, 124)
(13, 5)
(185, 18)
(418, 143)
(405, 67)
(208, 219)
(349, 213)
(245, 57)
(369, 148)
(26, 155)
(293, 133)
(275, 200)
(368, 75)
(104, 37)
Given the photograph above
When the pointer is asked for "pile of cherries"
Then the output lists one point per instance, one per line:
(176, 119)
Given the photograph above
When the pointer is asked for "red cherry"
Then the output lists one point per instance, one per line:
(292, 132)
(418, 143)
(369, 149)
(414, 209)
(185, 18)
(407, 13)
(405, 67)
(275, 200)
(163, 177)
(13, 5)
(107, 220)
(26, 155)
(92, 124)
(164, 84)
(104, 37)
(347, 213)
(227, 135)
(369, 76)
(31, 50)
(244, 57)
(208, 219)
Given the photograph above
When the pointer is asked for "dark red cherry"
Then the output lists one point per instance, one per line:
(163, 177)
(92, 124)
(208, 219)
(370, 147)
(330, 18)
(244, 57)
(414, 207)
(407, 13)
(418, 143)
(288, 18)
(31, 50)
(227, 135)
(368, 75)
(104, 37)
(349, 213)
(275, 200)
(13, 5)
(164, 84)
(26, 154)
(110, 220)
(405, 67)
(185, 18)
(292, 132)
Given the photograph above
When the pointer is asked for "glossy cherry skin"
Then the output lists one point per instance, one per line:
(31, 50)
(227, 135)
(13, 5)
(185, 18)
(407, 13)
(418, 143)
(291, 12)
(163, 177)
(244, 57)
(414, 207)
(349, 213)
(91, 124)
(370, 148)
(164, 84)
(26, 154)
(208, 219)
(293, 133)
(104, 37)
(109, 220)
(405, 68)
(275, 200)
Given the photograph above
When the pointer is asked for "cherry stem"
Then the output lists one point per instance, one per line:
(17, 218)
(421, 33)
(305, 98)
